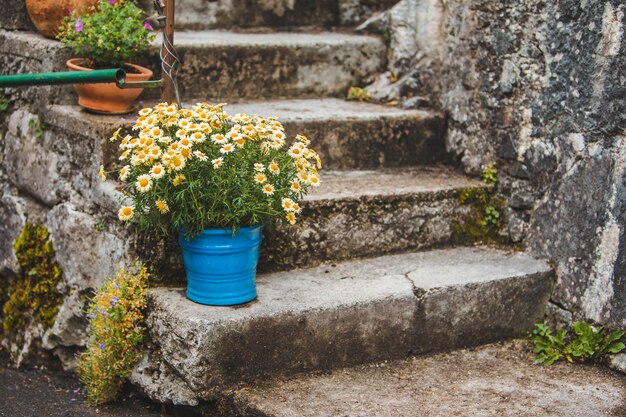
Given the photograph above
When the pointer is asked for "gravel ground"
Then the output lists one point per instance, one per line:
(37, 393)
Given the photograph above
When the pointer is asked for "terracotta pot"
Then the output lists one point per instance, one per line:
(47, 15)
(108, 98)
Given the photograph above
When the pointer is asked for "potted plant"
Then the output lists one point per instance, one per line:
(109, 37)
(47, 15)
(215, 180)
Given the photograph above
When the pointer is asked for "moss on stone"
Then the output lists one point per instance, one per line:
(358, 94)
(5, 285)
(483, 221)
(34, 294)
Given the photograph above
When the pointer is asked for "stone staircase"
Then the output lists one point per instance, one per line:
(370, 274)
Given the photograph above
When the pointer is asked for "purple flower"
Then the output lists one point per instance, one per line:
(147, 25)
(79, 25)
(114, 301)
(102, 345)
(112, 1)
(116, 286)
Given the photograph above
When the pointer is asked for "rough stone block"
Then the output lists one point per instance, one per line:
(15, 212)
(220, 65)
(86, 256)
(70, 324)
(490, 303)
(50, 166)
(618, 362)
(30, 165)
(159, 382)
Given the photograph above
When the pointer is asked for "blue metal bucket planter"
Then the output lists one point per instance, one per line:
(221, 268)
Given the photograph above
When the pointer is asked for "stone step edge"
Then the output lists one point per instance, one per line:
(354, 214)
(72, 118)
(263, 39)
(211, 38)
(347, 135)
(342, 315)
(107, 194)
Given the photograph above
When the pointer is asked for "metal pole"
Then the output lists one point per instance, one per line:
(59, 78)
(168, 94)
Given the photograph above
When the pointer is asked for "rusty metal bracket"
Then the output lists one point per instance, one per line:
(170, 63)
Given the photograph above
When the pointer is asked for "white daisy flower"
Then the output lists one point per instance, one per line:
(126, 213)
(217, 162)
(200, 155)
(157, 171)
(144, 183)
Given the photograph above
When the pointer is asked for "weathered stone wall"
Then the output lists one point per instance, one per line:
(14, 16)
(47, 178)
(538, 87)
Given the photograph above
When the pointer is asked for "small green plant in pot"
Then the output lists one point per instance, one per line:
(109, 36)
(216, 180)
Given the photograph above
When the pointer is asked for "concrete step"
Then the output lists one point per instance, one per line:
(493, 380)
(341, 315)
(227, 66)
(227, 14)
(347, 135)
(220, 65)
(354, 214)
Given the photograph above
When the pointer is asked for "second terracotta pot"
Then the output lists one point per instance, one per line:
(108, 98)
(47, 15)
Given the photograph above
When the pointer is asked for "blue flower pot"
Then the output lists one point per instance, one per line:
(221, 267)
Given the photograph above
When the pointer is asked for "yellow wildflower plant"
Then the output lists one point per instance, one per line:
(192, 169)
(116, 330)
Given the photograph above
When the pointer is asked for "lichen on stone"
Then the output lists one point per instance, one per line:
(34, 294)
(358, 94)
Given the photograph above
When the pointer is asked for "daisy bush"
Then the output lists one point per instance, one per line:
(193, 169)
(116, 330)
